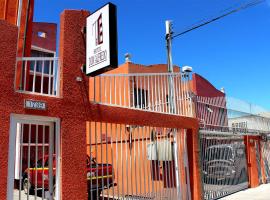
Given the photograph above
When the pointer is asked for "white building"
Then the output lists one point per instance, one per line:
(250, 122)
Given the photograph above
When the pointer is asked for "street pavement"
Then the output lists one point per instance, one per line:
(259, 193)
(24, 196)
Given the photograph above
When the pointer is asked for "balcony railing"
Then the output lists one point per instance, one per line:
(37, 75)
(156, 92)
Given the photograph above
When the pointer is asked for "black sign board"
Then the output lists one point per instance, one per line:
(101, 41)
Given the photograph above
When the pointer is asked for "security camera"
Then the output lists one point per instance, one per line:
(187, 69)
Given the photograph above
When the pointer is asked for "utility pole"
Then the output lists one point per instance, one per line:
(169, 34)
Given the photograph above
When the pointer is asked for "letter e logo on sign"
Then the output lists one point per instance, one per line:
(101, 39)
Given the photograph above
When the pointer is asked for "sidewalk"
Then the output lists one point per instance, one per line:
(259, 193)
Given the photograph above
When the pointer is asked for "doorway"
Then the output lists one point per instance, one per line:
(34, 158)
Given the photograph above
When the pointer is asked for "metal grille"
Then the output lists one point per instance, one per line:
(35, 161)
(223, 161)
(136, 162)
(149, 92)
(38, 75)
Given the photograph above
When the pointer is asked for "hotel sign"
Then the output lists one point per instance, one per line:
(36, 105)
(101, 41)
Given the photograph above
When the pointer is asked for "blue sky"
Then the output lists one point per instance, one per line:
(233, 53)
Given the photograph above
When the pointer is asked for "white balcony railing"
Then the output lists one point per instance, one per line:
(156, 92)
(37, 75)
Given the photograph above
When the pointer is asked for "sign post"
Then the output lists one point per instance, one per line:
(101, 41)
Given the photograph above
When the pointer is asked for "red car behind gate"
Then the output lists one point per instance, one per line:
(99, 176)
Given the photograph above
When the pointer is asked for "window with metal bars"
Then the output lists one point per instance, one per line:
(140, 98)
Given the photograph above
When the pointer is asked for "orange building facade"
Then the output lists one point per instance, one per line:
(124, 117)
(147, 91)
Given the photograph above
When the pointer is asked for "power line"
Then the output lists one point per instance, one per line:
(245, 6)
(228, 9)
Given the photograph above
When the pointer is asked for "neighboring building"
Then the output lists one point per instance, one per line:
(210, 104)
(250, 122)
(42, 74)
(138, 87)
(44, 39)
(146, 87)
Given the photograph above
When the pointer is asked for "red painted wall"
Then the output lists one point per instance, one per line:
(8, 10)
(10, 14)
(49, 42)
(202, 87)
(70, 108)
(8, 42)
(252, 164)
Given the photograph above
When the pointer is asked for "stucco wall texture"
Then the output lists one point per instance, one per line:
(8, 43)
(70, 107)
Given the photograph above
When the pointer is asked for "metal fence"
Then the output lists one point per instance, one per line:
(223, 124)
(136, 162)
(38, 75)
(223, 163)
(226, 113)
(155, 92)
(212, 113)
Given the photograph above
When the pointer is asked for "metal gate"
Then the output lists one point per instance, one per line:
(266, 159)
(223, 161)
(136, 162)
(258, 161)
(34, 159)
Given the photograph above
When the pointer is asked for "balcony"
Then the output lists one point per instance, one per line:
(154, 92)
(38, 76)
